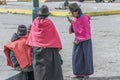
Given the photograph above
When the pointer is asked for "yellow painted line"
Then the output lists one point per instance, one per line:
(42, 0)
(99, 13)
(59, 13)
(16, 11)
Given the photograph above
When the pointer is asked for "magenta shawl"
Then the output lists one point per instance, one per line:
(44, 34)
(81, 27)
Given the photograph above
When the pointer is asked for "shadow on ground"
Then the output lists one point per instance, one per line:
(97, 78)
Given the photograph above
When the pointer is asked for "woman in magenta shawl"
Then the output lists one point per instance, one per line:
(82, 58)
(46, 44)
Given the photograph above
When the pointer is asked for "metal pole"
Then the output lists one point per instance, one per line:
(35, 9)
(66, 3)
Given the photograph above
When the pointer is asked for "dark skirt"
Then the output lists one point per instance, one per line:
(82, 58)
(46, 64)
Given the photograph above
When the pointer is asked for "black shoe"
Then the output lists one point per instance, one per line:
(78, 78)
(86, 78)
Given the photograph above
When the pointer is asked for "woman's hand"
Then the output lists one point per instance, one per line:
(70, 20)
(76, 42)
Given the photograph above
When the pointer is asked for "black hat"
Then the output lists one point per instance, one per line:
(73, 7)
(22, 30)
(43, 11)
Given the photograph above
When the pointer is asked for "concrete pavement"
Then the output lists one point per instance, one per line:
(90, 8)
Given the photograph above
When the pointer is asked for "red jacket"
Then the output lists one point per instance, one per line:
(21, 51)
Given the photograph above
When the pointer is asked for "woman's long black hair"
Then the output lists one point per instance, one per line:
(43, 16)
(79, 11)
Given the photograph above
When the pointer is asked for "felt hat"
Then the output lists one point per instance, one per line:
(43, 11)
(73, 7)
(22, 30)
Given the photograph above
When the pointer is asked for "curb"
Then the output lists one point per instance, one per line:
(60, 13)
(100, 13)
(16, 11)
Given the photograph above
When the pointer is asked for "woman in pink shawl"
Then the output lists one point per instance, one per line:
(46, 43)
(82, 58)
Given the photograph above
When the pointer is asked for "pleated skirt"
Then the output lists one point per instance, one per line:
(82, 58)
(46, 64)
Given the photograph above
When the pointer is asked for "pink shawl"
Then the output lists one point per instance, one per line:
(81, 27)
(44, 34)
